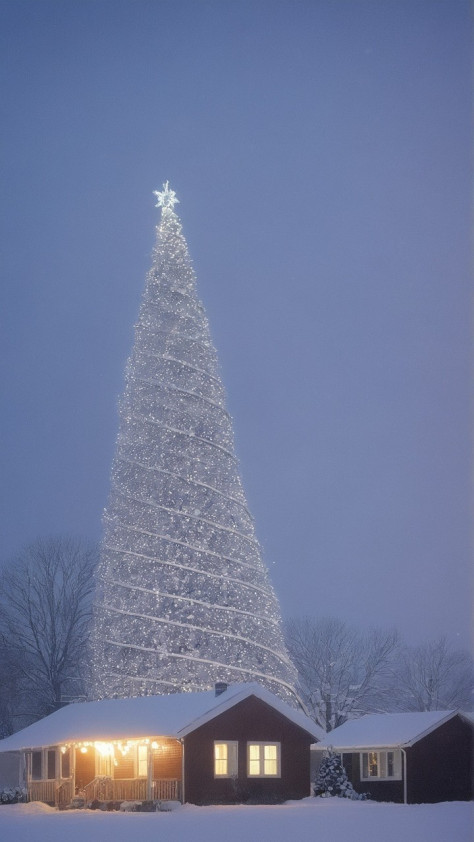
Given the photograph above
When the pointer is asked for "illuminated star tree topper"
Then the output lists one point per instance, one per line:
(166, 198)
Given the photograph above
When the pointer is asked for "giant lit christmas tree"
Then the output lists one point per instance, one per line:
(183, 597)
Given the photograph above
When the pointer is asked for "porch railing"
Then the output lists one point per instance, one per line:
(51, 792)
(42, 791)
(104, 789)
(133, 789)
(64, 794)
(167, 790)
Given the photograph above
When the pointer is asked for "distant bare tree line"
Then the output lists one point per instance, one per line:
(345, 673)
(45, 614)
(45, 611)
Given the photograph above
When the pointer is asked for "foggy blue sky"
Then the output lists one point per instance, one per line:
(320, 150)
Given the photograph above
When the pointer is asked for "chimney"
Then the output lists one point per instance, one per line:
(220, 687)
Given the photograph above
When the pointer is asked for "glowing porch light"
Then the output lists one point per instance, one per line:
(104, 749)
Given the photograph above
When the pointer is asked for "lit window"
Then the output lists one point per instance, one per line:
(142, 761)
(264, 760)
(225, 759)
(381, 765)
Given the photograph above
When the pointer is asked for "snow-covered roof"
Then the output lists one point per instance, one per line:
(384, 730)
(175, 715)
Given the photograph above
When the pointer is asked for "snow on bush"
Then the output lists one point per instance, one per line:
(13, 795)
(130, 806)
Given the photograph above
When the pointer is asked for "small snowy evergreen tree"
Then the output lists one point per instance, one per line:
(332, 779)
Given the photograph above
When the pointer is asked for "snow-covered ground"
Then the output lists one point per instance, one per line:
(335, 819)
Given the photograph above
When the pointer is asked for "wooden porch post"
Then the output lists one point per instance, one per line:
(72, 768)
(57, 775)
(27, 761)
(149, 768)
(183, 770)
(405, 782)
(22, 778)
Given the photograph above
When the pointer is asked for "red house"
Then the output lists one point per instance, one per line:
(412, 758)
(238, 744)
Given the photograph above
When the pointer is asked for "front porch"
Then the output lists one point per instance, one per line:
(103, 789)
(128, 770)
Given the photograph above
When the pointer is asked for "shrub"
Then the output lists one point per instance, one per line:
(332, 780)
(13, 795)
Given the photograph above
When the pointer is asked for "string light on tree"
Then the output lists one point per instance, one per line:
(183, 596)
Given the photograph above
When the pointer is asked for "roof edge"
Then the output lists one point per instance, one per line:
(244, 693)
(449, 715)
(325, 745)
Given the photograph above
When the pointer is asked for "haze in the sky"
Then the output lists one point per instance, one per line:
(320, 150)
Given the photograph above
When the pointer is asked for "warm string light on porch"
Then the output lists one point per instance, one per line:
(184, 598)
(107, 749)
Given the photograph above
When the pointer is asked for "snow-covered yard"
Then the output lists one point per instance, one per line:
(313, 819)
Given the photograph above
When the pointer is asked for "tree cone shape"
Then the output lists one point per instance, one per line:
(183, 598)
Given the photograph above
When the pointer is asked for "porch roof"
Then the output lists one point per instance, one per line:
(175, 715)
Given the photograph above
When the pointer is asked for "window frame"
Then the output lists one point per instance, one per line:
(40, 762)
(65, 764)
(382, 763)
(232, 759)
(36, 767)
(51, 764)
(262, 744)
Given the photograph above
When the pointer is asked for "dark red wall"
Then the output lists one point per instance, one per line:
(254, 720)
(440, 765)
(167, 759)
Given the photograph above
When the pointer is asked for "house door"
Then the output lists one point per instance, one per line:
(85, 767)
(104, 765)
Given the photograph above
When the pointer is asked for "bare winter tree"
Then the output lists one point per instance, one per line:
(9, 686)
(433, 676)
(45, 609)
(342, 672)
